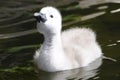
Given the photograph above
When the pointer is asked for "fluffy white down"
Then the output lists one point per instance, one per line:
(81, 46)
(74, 48)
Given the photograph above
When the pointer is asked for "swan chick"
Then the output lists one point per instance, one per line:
(70, 49)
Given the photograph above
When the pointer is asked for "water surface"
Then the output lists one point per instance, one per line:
(19, 38)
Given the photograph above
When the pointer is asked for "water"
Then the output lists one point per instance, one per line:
(19, 38)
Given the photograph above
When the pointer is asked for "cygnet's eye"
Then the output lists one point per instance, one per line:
(51, 16)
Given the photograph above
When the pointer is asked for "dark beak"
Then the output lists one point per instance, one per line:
(40, 17)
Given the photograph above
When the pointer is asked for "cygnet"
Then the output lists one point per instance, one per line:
(70, 49)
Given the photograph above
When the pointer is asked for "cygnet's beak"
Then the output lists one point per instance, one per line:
(40, 17)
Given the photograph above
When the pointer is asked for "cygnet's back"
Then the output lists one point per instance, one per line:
(73, 48)
(80, 44)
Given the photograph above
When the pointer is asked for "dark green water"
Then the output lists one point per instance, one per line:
(19, 39)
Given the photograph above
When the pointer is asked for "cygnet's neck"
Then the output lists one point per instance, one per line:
(52, 43)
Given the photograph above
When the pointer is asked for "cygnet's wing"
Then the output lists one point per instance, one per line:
(80, 44)
(81, 37)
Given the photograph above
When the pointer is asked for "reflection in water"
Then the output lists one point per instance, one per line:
(88, 3)
(102, 7)
(93, 15)
(115, 11)
(118, 41)
(85, 73)
(17, 34)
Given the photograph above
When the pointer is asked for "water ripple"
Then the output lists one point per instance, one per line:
(17, 34)
(18, 23)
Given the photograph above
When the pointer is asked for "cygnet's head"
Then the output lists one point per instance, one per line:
(48, 20)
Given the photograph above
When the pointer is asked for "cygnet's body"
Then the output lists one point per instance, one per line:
(73, 48)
